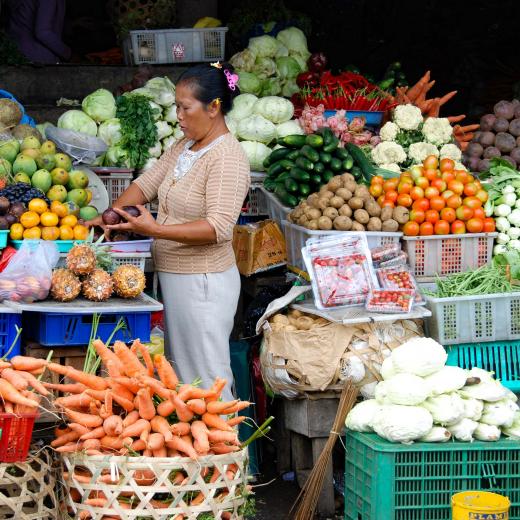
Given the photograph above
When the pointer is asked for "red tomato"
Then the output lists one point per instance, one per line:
(406, 175)
(426, 228)
(447, 177)
(404, 200)
(448, 214)
(475, 225)
(439, 184)
(431, 174)
(432, 216)
(447, 165)
(431, 162)
(472, 202)
(377, 180)
(417, 215)
(390, 184)
(461, 176)
(422, 182)
(391, 195)
(456, 186)
(464, 213)
(472, 179)
(380, 200)
(458, 227)
(479, 213)
(441, 227)
(411, 229)
(470, 189)
(437, 203)
(476, 182)
(388, 204)
(405, 186)
(422, 204)
(482, 195)
(417, 171)
(416, 193)
(489, 225)
(375, 190)
(430, 192)
(447, 194)
(454, 202)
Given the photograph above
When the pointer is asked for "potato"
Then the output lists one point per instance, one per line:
(342, 223)
(313, 224)
(297, 213)
(293, 313)
(312, 213)
(323, 203)
(326, 193)
(335, 183)
(386, 213)
(304, 322)
(350, 185)
(277, 327)
(345, 210)
(390, 225)
(356, 226)
(344, 194)
(280, 318)
(355, 203)
(401, 215)
(348, 177)
(312, 199)
(325, 223)
(303, 220)
(373, 208)
(332, 213)
(361, 216)
(336, 202)
(362, 192)
(374, 224)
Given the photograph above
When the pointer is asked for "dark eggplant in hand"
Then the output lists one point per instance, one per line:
(132, 211)
(110, 217)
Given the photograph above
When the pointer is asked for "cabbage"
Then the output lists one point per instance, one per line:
(248, 83)
(447, 379)
(281, 49)
(271, 87)
(170, 114)
(359, 419)
(437, 434)
(501, 413)
(231, 124)
(264, 67)
(289, 88)
(472, 408)
(287, 67)
(406, 389)
(463, 430)
(486, 432)
(162, 91)
(381, 392)
(368, 391)
(302, 62)
(110, 131)
(116, 156)
(445, 409)
(168, 142)
(487, 390)
(152, 161)
(387, 368)
(242, 106)
(397, 423)
(42, 127)
(244, 61)
(156, 111)
(419, 356)
(155, 150)
(256, 128)
(263, 46)
(78, 121)
(256, 153)
(274, 108)
(295, 41)
(100, 105)
(163, 129)
(513, 430)
(178, 133)
(291, 127)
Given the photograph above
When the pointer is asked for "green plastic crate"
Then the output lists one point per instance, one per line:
(387, 481)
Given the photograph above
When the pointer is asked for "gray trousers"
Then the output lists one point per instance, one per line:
(199, 311)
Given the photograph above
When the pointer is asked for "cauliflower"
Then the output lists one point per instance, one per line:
(419, 151)
(393, 167)
(407, 117)
(389, 131)
(437, 130)
(388, 152)
(451, 151)
(460, 166)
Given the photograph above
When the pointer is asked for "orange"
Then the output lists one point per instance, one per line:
(30, 219)
(59, 208)
(80, 232)
(34, 232)
(16, 232)
(49, 219)
(69, 220)
(38, 205)
(66, 233)
(50, 233)
(411, 229)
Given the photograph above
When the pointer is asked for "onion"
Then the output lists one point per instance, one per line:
(501, 125)
(487, 139)
(515, 155)
(475, 150)
(505, 142)
(483, 165)
(491, 151)
(514, 127)
(504, 109)
(487, 122)
(517, 111)
(511, 161)
(472, 163)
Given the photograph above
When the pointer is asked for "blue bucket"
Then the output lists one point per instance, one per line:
(371, 118)
(26, 120)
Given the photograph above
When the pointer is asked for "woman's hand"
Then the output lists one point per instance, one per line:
(144, 224)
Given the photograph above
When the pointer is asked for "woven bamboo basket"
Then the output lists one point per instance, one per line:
(128, 499)
(27, 489)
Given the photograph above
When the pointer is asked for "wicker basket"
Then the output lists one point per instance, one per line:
(27, 489)
(224, 495)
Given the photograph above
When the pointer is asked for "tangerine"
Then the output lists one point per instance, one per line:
(66, 233)
(69, 220)
(16, 232)
(59, 208)
(32, 233)
(80, 232)
(49, 219)
(38, 206)
(30, 219)
(50, 233)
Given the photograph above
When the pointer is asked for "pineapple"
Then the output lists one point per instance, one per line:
(65, 285)
(129, 281)
(85, 257)
(98, 286)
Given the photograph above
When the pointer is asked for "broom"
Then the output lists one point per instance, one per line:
(308, 498)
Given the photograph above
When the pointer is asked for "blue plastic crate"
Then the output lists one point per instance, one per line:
(8, 323)
(4, 233)
(52, 328)
(500, 357)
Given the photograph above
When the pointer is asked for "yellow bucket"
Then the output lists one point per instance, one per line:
(479, 505)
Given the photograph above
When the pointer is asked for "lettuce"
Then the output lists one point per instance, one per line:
(100, 105)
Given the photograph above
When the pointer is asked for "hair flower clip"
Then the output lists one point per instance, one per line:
(232, 79)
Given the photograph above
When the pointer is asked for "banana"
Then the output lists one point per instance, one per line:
(207, 22)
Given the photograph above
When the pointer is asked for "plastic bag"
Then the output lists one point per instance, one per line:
(390, 301)
(385, 253)
(27, 278)
(81, 147)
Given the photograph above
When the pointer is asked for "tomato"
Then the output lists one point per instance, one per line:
(390, 184)
(471, 179)
(461, 176)
(447, 177)
(432, 216)
(405, 186)
(472, 202)
(404, 200)
(375, 190)
(458, 227)
(476, 182)
(447, 165)
(448, 214)
(422, 182)
(447, 194)
(475, 225)
(416, 193)
(417, 171)
(411, 229)
(456, 186)
(464, 213)
(422, 204)
(426, 228)
(431, 174)
(430, 192)
(489, 225)
(377, 179)
(439, 184)
(406, 175)
(417, 215)
(437, 203)
(470, 189)
(482, 195)
(391, 195)
(441, 227)
(454, 202)
(431, 162)
(388, 204)
(380, 200)
(479, 213)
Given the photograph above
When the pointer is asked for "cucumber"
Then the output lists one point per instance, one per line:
(325, 158)
(293, 155)
(361, 161)
(275, 156)
(281, 178)
(348, 163)
(310, 153)
(319, 167)
(269, 184)
(326, 133)
(287, 165)
(275, 169)
(316, 141)
(340, 153)
(291, 185)
(305, 190)
(326, 176)
(356, 172)
(330, 147)
(304, 163)
(300, 175)
(292, 141)
(285, 198)
(315, 179)
(335, 165)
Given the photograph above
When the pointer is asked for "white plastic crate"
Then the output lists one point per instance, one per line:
(255, 202)
(116, 183)
(274, 208)
(441, 255)
(474, 319)
(297, 236)
(175, 46)
(137, 259)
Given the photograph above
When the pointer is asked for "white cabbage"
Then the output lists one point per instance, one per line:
(231, 124)
(291, 127)
(256, 128)
(242, 106)
(381, 392)
(463, 430)
(162, 90)
(501, 413)
(368, 391)
(168, 142)
(419, 356)
(473, 408)
(155, 150)
(156, 110)
(487, 390)
(513, 430)
(405, 424)
(445, 409)
(163, 129)
(437, 434)
(447, 379)
(387, 368)
(487, 432)
(170, 114)
(275, 109)
(256, 153)
(100, 105)
(110, 131)
(360, 418)
(406, 389)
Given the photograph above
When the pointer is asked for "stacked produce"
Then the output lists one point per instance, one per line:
(269, 66)
(422, 399)
(442, 199)
(10, 118)
(295, 320)
(499, 136)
